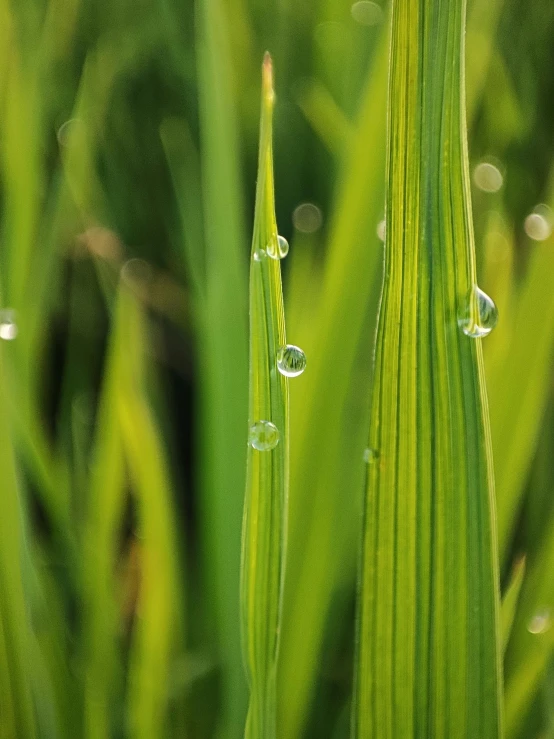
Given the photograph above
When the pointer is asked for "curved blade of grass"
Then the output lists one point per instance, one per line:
(428, 648)
(265, 505)
(159, 606)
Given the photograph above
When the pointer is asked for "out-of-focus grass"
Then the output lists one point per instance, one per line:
(130, 131)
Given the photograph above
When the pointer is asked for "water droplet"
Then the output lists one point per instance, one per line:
(382, 230)
(278, 247)
(538, 224)
(488, 177)
(291, 360)
(8, 326)
(307, 218)
(541, 622)
(263, 436)
(367, 13)
(259, 254)
(480, 314)
(370, 455)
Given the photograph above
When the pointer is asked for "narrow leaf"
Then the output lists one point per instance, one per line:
(265, 505)
(428, 643)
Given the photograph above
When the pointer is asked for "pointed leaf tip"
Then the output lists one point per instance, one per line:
(267, 76)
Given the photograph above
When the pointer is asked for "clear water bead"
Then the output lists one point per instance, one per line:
(291, 360)
(480, 314)
(370, 455)
(259, 254)
(8, 326)
(541, 622)
(263, 436)
(382, 230)
(278, 247)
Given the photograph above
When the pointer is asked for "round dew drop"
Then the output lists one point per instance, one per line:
(291, 360)
(480, 314)
(278, 247)
(8, 326)
(263, 436)
(260, 254)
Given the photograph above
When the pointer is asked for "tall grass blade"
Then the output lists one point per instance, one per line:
(427, 660)
(16, 706)
(223, 349)
(265, 506)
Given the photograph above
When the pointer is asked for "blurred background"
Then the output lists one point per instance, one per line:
(128, 146)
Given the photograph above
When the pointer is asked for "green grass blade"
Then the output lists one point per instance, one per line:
(265, 506)
(223, 350)
(16, 706)
(428, 645)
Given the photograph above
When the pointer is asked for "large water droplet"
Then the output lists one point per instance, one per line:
(370, 455)
(382, 230)
(541, 622)
(479, 315)
(8, 326)
(291, 360)
(263, 436)
(278, 247)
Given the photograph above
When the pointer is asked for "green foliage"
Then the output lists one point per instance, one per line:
(267, 477)
(128, 164)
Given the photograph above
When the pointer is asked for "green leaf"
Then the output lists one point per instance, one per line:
(223, 349)
(427, 661)
(265, 505)
(16, 666)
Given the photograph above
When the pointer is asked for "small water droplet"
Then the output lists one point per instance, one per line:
(382, 230)
(263, 436)
(8, 326)
(488, 177)
(541, 622)
(480, 314)
(366, 13)
(291, 360)
(259, 254)
(538, 224)
(307, 218)
(370, 455)
(278, 247)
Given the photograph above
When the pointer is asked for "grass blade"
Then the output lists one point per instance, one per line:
(428, 650)
(223, 349)
(265, 507)
(16, 707)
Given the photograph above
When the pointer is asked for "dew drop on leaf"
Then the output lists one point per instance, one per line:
(278, 247)
(479, 314)
(263, 436)
(291, 360)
